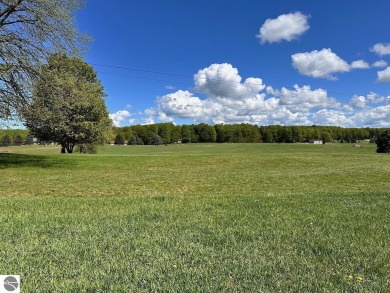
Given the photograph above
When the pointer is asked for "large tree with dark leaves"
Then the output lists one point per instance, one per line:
(68, 104)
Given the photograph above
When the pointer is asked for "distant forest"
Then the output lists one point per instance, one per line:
(224, 133)
(241, 133)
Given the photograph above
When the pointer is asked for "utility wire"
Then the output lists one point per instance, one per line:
(140, 70)
(187, 76)
(143, 77)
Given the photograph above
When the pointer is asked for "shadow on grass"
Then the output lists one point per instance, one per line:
(21, 160)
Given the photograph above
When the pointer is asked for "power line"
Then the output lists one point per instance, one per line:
(189, 76)
(141, 70)
(142, 77)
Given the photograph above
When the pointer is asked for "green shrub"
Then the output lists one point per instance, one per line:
(86, 148)
(91, 148)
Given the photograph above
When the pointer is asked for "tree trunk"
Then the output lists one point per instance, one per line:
(69, 147)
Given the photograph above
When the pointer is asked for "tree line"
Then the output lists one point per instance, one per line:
(168, 133)
(239, 133)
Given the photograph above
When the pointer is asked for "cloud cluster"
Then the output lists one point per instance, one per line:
(319, 64)
(331, 118)
(230, 99)
(303, 99)
(285, 27)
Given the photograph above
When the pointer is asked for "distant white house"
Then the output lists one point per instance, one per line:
(316, 141)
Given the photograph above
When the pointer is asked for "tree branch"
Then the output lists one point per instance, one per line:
(7, 12)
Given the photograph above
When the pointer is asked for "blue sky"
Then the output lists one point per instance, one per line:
(285, 62)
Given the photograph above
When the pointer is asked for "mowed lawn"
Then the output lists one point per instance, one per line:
(197, 218)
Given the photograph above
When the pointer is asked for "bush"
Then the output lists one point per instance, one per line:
(92, 148)
(86, 148)
(383, 143)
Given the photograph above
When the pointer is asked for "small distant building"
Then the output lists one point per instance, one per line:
(315, 141)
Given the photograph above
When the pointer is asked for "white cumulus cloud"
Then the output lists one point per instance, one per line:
(221, 95)
(303, 99)
(359, 102)
(381, 49)
(181, 104)
(150, 111)
(223, 81)
(319, 64)
(384, 75)
(147, 121)
(331, 118)
(373, 117)
(229, 100)
(119, 117)
(285, 27)
(375, 98)
(380, 63)
(359, 64)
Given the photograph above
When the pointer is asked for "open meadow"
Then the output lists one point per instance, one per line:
(197, 218)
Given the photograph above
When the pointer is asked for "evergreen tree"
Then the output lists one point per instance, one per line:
(6, 140)
(18, 140)
(119, 140)
(29, 139)
(383, 143)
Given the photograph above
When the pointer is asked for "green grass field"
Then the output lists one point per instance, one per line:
(197, 218)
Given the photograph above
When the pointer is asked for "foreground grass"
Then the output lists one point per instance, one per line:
(234, 218)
